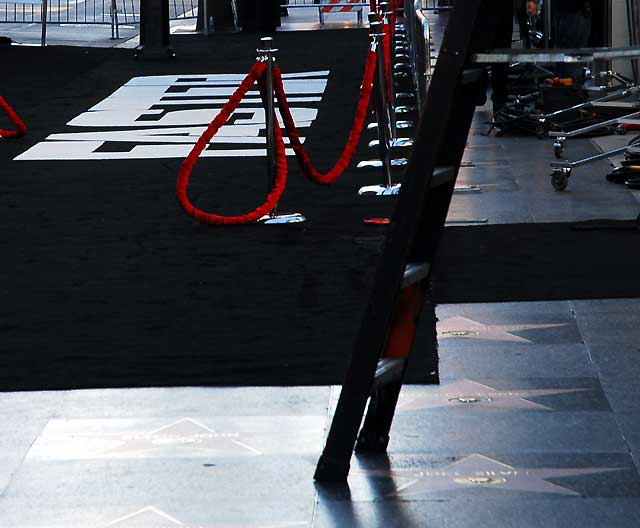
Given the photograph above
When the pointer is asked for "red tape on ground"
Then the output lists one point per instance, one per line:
(354, 136)
(21, 128)
(188, 164)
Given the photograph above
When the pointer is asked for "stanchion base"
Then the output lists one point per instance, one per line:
(404, 110)
(399, 162)
(152, 53)
(398, 142)
(461, 189)
(290, 218)
(379, 190)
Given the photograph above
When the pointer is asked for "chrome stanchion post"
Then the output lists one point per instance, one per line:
(266, 54)
(547, 23)
(391, 104)
(400, 70)
(380, 106)
(43, 34)
(379, 101)
(267, 44)
(205, 17)
(115, 25)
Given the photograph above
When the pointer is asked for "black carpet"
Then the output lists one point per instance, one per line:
(534, 262)
(107, 283)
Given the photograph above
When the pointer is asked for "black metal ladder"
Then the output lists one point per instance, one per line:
(381, 350)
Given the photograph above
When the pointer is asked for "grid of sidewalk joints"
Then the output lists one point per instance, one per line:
(510, 428)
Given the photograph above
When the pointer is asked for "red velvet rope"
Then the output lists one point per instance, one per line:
(188, 164)
(354, 135)
(21, 127)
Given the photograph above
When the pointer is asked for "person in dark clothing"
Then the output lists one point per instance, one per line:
(571, 29)
(259, 15)
(495, 30)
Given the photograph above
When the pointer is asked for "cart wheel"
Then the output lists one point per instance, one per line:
(560, 179)
(558, 148)
(621, 130)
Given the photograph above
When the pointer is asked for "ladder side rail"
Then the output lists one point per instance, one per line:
(431, 225)
(335, 460)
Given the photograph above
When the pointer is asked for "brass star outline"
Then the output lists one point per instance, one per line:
(183, 433)
(472, 395)
(158, 516)
(459, 327)
(481, 472)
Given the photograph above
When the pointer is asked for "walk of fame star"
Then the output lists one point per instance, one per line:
(478, 471)
(461, 327)
(156, 518)
(184, 433)
(471, 394)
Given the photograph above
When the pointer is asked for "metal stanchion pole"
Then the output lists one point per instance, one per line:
(547, 23)
(154, 31)
(400, 70)
(379, 98)
(380, 107)
(391, 104)
(115, 25)
(205, 17)
(43, 36)
(381, 111)
(267, 44)
(266, 54)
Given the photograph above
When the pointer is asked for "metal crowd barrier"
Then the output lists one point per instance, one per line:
(32, 8)
(420, 45)
(438, 5)
(325, 7)
(88, 11)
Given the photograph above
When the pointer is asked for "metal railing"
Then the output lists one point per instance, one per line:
(437, 5)
(419, 40)
(90, 11)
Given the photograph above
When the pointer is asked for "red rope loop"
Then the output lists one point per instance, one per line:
(188, 164)
(354, 135)
(21, 127)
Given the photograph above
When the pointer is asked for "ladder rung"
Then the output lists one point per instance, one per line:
(616, 104)
(471, 75)
(389, 370)
(442, 176)
(415, 272)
